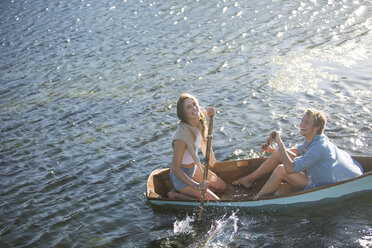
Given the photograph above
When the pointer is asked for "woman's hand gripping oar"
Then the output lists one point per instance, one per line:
(206, 164)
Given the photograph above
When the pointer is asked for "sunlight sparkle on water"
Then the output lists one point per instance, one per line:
(299, 69)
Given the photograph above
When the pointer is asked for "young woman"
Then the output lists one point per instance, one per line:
(318, 161)
(187, 172)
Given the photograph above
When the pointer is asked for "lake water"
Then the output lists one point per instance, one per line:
(88, 90)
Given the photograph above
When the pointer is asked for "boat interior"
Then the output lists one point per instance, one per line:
(159, 184)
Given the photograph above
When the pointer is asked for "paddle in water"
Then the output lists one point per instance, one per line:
(206, 164)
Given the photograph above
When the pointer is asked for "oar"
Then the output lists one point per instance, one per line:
(273, 135)
(206, 164)
(264, 147)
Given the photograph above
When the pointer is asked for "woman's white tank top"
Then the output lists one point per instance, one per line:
(187, 158)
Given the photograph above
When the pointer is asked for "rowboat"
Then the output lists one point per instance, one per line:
(158, 185)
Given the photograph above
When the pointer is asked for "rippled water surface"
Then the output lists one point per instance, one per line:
(87, 109)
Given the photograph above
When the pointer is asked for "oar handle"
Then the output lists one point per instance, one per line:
(206, 163)
(268, 143)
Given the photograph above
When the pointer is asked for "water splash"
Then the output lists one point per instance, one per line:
(221, 233)
(184, 226)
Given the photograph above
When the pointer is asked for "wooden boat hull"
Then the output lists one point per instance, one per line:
(158, 185)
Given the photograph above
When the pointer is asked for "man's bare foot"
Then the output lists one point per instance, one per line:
(243, 182)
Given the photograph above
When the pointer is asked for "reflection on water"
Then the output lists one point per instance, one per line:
(303, 71)
(87, 108)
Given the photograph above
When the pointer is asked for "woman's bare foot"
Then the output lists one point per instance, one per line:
(176, 195)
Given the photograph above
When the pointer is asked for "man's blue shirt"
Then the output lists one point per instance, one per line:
(325, 162)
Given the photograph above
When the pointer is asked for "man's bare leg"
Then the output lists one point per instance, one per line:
(266, 167)
(298, 181)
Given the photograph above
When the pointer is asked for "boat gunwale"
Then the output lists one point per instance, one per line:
(159, 171)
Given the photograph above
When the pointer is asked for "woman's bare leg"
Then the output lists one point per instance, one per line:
(189, 193)
(173, 194)
(209, 195)
(216, 184)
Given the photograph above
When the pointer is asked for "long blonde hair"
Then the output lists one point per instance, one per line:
(182, 115)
